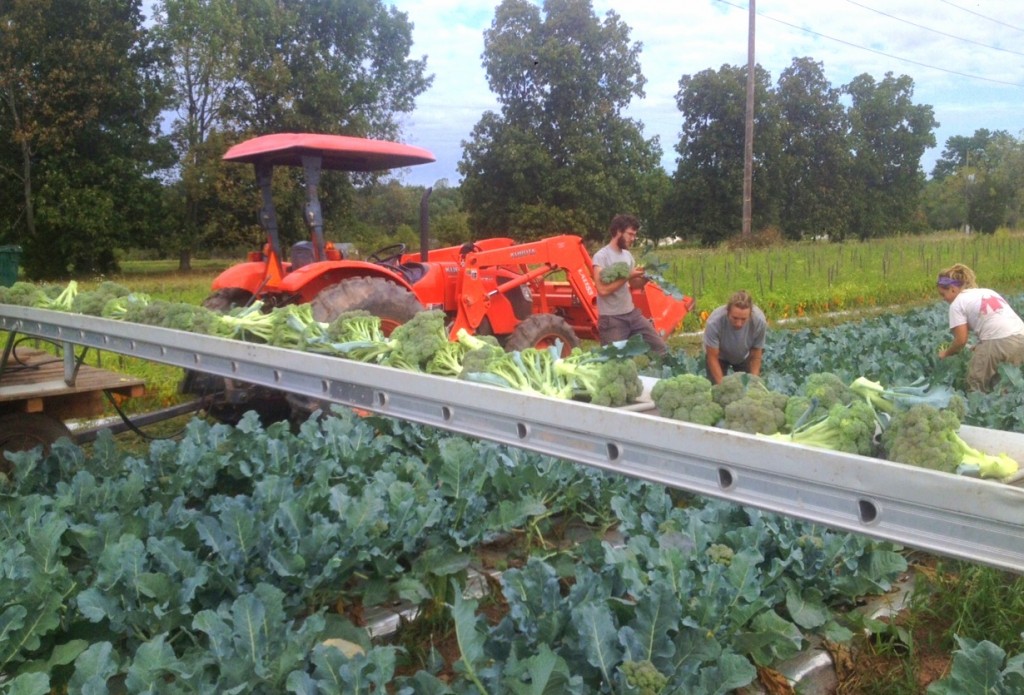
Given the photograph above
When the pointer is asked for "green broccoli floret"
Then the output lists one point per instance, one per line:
(413, 343)
(925, 436)
(616, 271)
(23, 294)
(759, 411)
(734, 386)
(816, 396)
(849, 428)
(91, 302)
(719, 553)
(603, 379)
(643, 677)
(686, 397)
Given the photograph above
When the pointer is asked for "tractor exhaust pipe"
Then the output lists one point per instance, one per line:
(425, 225)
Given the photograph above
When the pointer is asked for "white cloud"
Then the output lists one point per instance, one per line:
(688, 36)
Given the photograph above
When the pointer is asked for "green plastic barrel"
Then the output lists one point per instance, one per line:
(10, 257)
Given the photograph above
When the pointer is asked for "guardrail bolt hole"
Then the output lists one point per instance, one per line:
(868, 511)
(725, 479)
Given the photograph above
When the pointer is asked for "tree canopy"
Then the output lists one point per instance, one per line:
(560, 156)
(80, 95)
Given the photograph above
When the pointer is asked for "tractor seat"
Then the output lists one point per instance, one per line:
(412, 272)
(301, 254)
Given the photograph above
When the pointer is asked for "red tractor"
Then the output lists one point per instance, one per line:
(493, 286)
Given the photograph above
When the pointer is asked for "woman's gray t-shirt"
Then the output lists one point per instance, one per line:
(734, 344)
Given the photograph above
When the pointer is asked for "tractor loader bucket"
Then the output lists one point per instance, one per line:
(666, 312)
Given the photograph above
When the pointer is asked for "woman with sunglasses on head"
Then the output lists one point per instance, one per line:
(984, 312)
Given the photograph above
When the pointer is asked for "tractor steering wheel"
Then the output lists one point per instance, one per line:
(388, 255)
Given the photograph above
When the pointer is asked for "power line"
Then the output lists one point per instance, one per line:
(872, 50)
(936, 31)
(978, 14)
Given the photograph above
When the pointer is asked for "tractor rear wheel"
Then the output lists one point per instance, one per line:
(541, 331)
(391, 302)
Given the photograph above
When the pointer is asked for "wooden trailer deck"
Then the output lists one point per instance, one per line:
(35, 381)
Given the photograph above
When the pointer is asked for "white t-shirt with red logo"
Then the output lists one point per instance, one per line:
(986, 313)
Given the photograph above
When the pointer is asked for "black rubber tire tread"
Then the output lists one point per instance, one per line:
(393, 303)
(24, 431)
(227, 298)
(540, 330)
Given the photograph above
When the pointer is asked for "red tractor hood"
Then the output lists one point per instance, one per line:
(338, 152)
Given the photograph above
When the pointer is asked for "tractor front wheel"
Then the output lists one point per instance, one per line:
(391, 302)
(541, 331)
(224, 300)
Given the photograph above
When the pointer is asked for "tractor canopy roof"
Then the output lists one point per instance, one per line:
(337, 151)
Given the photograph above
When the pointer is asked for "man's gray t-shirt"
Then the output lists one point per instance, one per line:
(734, 344)
(621, 300)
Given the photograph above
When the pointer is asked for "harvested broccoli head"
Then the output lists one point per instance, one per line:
(816, 396)
(177, 315)
(922, 435)
(23, 294)
(758, 411)
(735, 386)
(686, 397)
(414, 342)
(616, 271)
(604, 379)
(91, 302)
(850, 428)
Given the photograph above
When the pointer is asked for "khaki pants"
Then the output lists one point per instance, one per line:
(986, 358)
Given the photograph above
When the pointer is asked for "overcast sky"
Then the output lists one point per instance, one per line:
(966, 58)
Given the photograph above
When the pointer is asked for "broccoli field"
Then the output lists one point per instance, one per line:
(227, 559)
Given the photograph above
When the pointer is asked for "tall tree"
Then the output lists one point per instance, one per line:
(334, 66)
(560, 156)
(707, 198)
(813, 158)
(888, 135)
(79, 101)
(203, 39)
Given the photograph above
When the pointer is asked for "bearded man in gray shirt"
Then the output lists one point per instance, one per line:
(619, 318)
(734, 338)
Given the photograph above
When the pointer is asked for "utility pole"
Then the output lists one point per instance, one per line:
(748, 136)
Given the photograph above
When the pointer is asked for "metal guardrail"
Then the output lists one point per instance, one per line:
(955, 516)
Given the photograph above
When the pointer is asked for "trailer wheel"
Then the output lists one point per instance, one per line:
(391, 302)
(541, 331)
(25, 431)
